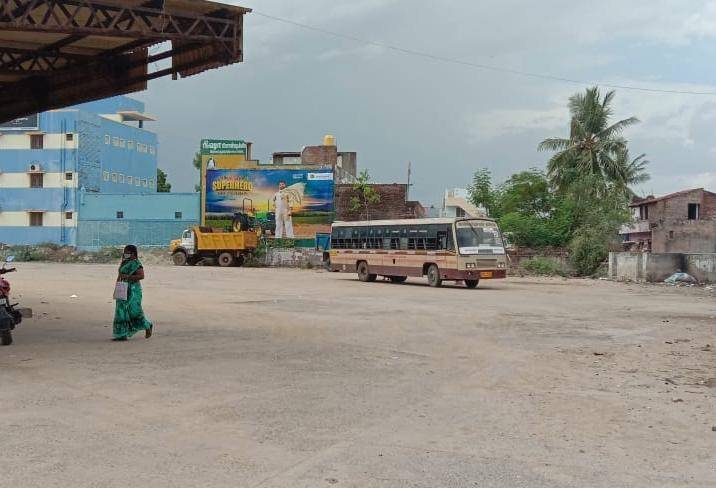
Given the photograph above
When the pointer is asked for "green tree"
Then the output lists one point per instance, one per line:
(163, 186)
(527, 193)
(365, 195)
(197, 166)
(481, 191)
(595, 147)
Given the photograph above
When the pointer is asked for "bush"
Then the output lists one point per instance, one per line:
(588, 252)
(543, 266)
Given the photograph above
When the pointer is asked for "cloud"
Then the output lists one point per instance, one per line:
(296, 85)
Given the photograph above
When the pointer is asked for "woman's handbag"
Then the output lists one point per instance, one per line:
(121, 290)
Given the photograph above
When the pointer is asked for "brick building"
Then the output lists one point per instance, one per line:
(394, 204)
(344, 164)
(681, 222)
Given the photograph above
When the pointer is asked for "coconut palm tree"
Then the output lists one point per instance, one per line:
(595, 147)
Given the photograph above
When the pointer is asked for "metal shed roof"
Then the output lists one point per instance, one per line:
(62, 52)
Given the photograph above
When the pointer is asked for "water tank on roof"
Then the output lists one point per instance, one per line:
(329, 140)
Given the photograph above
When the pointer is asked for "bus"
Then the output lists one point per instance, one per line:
(443, 249)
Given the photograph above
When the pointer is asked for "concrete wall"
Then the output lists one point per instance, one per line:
(701, 266)
(655, 267)
(637, 266)
(146, 206)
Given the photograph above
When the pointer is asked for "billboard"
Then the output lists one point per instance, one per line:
(289, 203)
(31, 122)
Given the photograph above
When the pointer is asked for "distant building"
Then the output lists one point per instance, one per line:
(58, 167)
(344, 164)
(681, 222)
(456, 203)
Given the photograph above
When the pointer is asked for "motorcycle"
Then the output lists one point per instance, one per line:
(10, 315)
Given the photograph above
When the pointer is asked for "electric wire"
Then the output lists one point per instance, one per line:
(480, 66)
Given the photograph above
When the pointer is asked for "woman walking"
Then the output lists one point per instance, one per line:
(128, 314)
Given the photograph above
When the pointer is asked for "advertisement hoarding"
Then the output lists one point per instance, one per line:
(293, 203)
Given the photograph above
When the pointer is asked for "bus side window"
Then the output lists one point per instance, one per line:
(450, 242)
(442, 240)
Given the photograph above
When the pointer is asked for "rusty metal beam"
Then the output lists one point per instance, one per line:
(103, 17)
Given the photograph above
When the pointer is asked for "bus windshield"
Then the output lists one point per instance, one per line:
(478, 237)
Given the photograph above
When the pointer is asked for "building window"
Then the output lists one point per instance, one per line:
(37, 141)
(671, 234)
(122, 142)
(120, 214)
(105, 175)
(129, 180)
(69, 137)
(115, 141)
(114, 177)
(694, 211)
(178, 215)
(37, 180)
(144, 182)
(151, 183)
(644, 212)
(130, 145)
(121, 178)
(68, 176)
(152, 150)
(35, 219)
(107, 139)
(137, 181)
(68, 215)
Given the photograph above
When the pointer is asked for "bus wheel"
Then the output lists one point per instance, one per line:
(226, 259)
(179, 258)
(471, 283)
(398, 279)
(363, 273)
(434, 279)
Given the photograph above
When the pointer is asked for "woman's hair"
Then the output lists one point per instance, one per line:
(131, 249)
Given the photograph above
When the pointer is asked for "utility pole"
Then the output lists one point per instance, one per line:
(407, 191)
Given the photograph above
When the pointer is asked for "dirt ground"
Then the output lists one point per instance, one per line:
(288, 378)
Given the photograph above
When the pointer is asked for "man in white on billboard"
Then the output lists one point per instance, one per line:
(282, 204)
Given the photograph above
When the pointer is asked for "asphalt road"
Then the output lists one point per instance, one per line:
(284, 378)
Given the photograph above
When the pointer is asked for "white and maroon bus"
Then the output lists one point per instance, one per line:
(452, 249)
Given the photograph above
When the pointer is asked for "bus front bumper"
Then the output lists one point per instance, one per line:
(473, 274)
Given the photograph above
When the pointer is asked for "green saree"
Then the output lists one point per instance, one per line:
(128, 314)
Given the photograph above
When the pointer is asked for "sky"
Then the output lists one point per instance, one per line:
(448, 119)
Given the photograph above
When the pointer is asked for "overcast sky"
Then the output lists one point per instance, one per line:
(447, 119)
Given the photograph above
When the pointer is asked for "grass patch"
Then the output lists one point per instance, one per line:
(543, 266)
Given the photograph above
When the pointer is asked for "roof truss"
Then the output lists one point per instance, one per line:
(55, 53)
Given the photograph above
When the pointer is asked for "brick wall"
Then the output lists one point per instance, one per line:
(324, 155)
(676, 207)
(685, 236)
(392, 204)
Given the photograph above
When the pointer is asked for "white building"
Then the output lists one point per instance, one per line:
(456, 203)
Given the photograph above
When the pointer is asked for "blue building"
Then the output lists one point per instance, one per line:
(53, 162)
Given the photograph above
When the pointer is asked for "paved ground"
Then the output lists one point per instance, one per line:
(280, 378)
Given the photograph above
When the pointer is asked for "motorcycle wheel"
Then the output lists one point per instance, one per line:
(5, 338)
